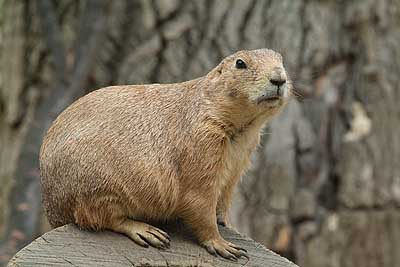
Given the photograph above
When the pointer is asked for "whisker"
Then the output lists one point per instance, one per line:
(309, 75)
(302, 100)
(296, 94)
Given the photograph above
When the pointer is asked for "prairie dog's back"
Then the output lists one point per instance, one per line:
(93, 143)
(135, 111)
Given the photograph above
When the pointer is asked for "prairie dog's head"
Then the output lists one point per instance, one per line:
(254, 79)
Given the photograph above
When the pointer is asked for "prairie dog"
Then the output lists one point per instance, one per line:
(122, 156)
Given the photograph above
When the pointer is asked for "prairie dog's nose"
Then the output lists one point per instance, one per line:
(277, 82)
(278, 77)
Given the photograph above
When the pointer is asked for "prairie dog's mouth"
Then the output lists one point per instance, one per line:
(270, 95)
(267, 99)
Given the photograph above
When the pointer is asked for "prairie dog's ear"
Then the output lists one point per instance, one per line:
(216, 72)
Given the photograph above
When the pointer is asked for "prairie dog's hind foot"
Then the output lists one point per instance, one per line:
(143, 234)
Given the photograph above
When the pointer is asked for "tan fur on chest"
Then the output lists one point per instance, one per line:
(238, 149)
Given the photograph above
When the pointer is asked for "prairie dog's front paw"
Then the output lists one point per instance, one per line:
(143, 234)
(224, 248)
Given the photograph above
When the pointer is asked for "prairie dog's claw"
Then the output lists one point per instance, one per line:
(144, 234)
(224, 249)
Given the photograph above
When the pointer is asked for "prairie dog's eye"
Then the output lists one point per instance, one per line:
(240, 64)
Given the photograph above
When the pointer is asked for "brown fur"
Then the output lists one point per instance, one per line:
(156, 152)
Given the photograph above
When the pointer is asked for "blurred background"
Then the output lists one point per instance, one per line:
(324, 189)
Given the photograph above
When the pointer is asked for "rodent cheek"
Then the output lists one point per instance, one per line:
(254, 92)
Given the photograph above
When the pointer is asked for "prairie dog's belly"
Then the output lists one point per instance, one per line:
(140, 182)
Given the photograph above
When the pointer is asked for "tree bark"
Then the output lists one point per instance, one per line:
(18, 97)
(67, 81)
(324, 189)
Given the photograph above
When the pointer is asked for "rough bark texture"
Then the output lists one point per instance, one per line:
(40, 80)
(68, 246)
(18, 98)
(324, 189)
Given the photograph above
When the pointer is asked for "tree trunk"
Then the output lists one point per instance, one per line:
(18, 97)
(324, 189)
(55, 83)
